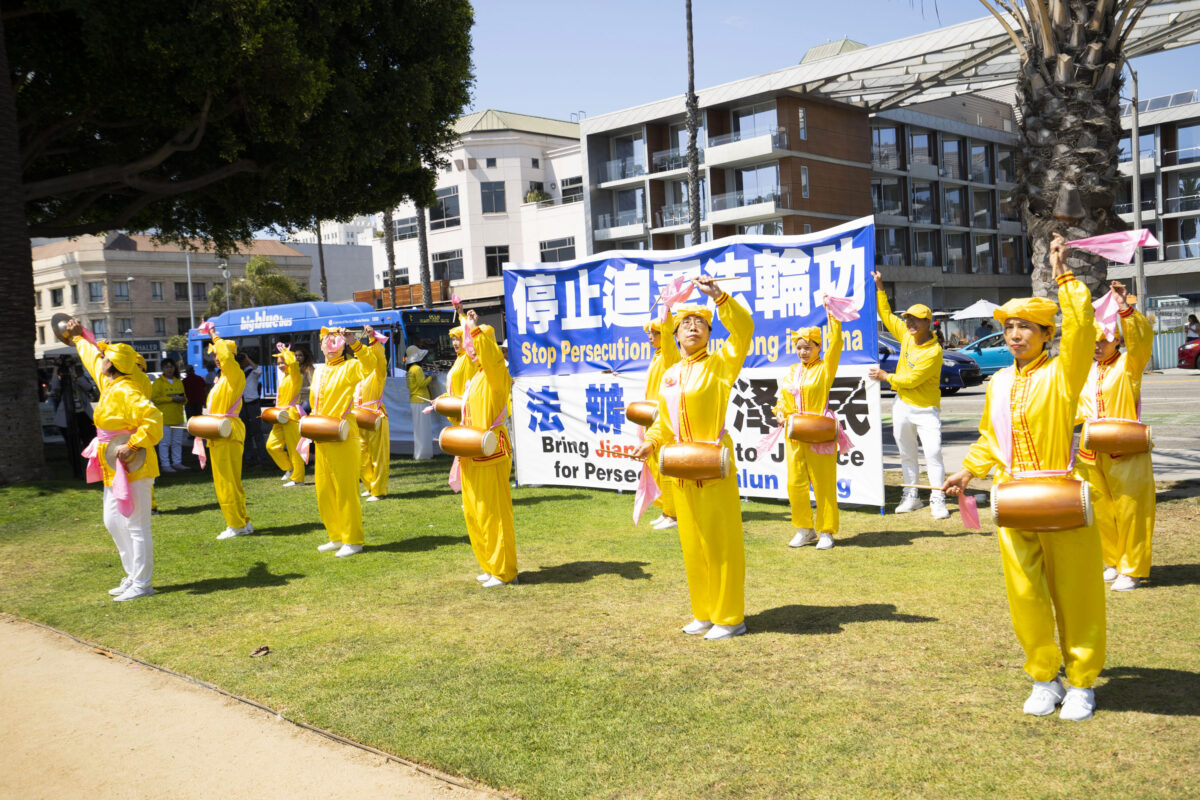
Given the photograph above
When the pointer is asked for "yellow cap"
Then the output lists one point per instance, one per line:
(121, 356)
(1034, 309)
(456, 332)
(692, 310)
(919, 311)
(812, 334)
(654, 325)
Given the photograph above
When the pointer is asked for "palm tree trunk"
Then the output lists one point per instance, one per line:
(693, 123)
(321, 260)
(21, 456)
(389, 247)
(423, 255)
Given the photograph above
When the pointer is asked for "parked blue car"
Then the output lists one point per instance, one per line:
(958, 371)
(990, 353)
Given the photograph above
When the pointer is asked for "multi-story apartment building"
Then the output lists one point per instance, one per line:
(130, 288)
(509, 193)
(360, 231)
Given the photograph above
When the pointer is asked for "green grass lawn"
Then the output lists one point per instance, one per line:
(885, 667)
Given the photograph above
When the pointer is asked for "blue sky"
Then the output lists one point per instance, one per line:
(555, 57)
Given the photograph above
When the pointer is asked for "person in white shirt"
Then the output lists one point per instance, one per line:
(256, 446)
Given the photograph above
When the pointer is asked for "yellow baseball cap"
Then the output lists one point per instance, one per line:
(919, 311)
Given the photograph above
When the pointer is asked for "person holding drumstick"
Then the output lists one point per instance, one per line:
(124, 408)
(283, 444)
(1053, 580)
(691, 408)
(168, 394)
(666, 355)
(225, 400)
(463, 369)
(804, 389)
(376, 444)
(1122, 486)
(339, 463)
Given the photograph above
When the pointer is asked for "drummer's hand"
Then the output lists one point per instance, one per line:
(876, 374)
(125, 452)
(707, 286)
(368, 330)
(644, 450)
(1058, 255)
(1120, 291)
(878, 281)
(780, 417)
(957, 483)
(73, 328)
(472, 317)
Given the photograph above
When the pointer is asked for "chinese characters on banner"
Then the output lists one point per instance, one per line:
(578, 354)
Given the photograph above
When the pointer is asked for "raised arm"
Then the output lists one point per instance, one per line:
(894, 324)
(740, 324)
(1139, 344)
(667, 343)
(1078, 335)
(833, 351)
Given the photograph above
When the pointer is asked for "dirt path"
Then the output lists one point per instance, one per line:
(74, 723)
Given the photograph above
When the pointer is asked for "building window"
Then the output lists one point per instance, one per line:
(984, 259)
(405, 228)
(492, 193)
(124, 326)
(572, 189)
(95, 291)
(926, 248)
(1008, 208)
(628, 157)
(199, 291)
(753, 121)
(74, 294)
(183, 325)
(1009, 262)
(982, 215)
(924, 203)
(957, 259)
(556, 250)
(771, 227)
(887, 196)
(444, 213)
(489, 162)
(885, 148)
(160, 326)
(1145, 147)
(952, 157)
(981, 163)
(804, 181)
(1006, 168)
(156, 290)
(802, 120)
(121, 290)
(536, 163)
(495, 258)
(56, 298)
(891, 246)
(100, 328)
(537, 186)
(37, 298)
(181, 290)
(954, 207)
(447, 266)
(808, 227)
(920, 148)
(41, 334)
(385, 280)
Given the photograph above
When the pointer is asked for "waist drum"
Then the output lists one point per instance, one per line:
(1042, 504)
(694, 461)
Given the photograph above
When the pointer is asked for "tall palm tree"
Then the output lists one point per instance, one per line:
(389, 247)
(423, 256)
(693, 123)
(1068, 94)
(321, 260)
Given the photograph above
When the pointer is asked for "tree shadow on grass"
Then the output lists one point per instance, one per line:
(533, 499)
(824, 619)
(289, 530)
(259, 576)
(899, 538)
(419, 494)
(1171, 692)
(190, 509)
(582, 571)
(416, 544)
(1174, 575)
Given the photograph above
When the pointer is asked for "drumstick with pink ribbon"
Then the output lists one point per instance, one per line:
(620, 453)
(967, 507)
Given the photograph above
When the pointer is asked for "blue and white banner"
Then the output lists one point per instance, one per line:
(578, 354)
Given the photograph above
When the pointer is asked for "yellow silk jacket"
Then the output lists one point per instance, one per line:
(815, 379)
(332, 393)
(918, 374)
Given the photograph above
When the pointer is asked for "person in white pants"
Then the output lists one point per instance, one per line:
(917, 410)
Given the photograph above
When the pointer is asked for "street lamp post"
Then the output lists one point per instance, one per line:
(1140, 267)
(225, 275)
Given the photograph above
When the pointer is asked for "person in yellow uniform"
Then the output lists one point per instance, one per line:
(463, 369)
(338, 463)
(283, 444)
(917, 409)
(376, 444)
(225, 455)
(167, 393)
(804, 389)
(486, 494)
(666, 355)
(1053, 580)
(418, 397)
(1122, 486)
(124, 408)
(691, 408)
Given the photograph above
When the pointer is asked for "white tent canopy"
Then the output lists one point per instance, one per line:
(980, 309)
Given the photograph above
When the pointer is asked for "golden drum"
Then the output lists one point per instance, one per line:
(643, 413)
(1042, 504)
(460, 440)
(811, 428)
(210, 427)
(325, 429)
(368, 419)
(1117, 437)
(694, 461)
(448, 406)
(277, 416)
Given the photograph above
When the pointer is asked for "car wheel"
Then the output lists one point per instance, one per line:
(951, 390)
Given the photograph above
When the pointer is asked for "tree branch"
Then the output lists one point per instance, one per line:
(1137, 15)
(1011, 33)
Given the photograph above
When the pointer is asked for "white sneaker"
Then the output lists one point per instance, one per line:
(292, 483)
(655, 522)
(348, 550)
(1044, 697)
(372, 499)
(696, 627)
(910, 502)
(1126, 583)
(329, 547)
(1110, 574)
(825, 542)
(287, 476)
(228, 533)
(664, 523)
(483, 577)
(119, 590)
(725, 631)
(803, 536)
(365, 493)
(1078, 705)
(937, 507)
(134, 592)
(246, 530)
(493, 581)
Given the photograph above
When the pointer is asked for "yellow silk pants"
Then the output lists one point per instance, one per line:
(1123, 502)
(337, 488)
(805, 467)
(225, 458)
(376, 456)
(666, 500)
(282, 446)
(714, 554)
(1054, 581)
(487, 507)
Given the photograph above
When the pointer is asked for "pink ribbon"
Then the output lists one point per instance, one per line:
(968, 509)
(840, 308)
(1108, 313)
(679, 289)
(333, 341)
(206, 327)
(647, 492)
(767, 443)
(379, 337)
(1119, 246)
(455, 478)
(120, 484)
(198, 441)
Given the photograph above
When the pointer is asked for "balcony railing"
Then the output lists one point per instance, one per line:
(885, 157)
(1188, 202)
(1188, 249)
(623, 168)
(665, 160)
(677, 214)
(779, 137)
(722, 202)
(1127, 208)
(621, 219)
(1185, 155)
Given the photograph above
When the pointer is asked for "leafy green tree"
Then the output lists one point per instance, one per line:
(262, 285)
(211, 119)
